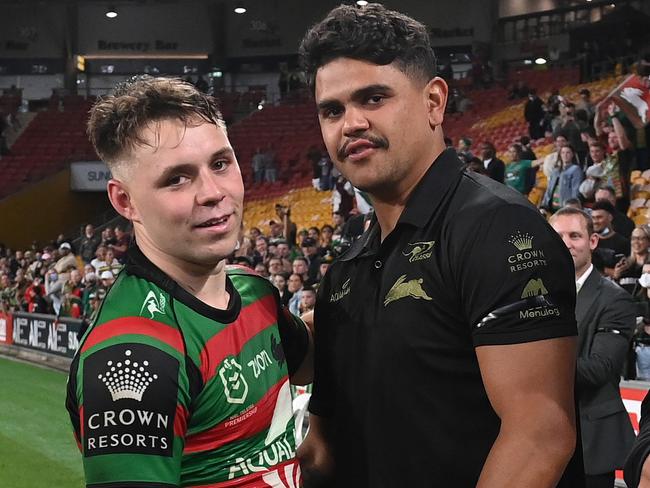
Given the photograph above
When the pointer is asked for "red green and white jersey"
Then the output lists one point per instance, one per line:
(168, 391)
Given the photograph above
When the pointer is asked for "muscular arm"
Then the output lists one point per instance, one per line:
(530, 387)
(316, 459)
(624, 141)
(304, 375)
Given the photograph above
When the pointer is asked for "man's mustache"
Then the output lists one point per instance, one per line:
(378, 142)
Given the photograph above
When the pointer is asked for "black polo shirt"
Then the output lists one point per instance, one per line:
(470, 263)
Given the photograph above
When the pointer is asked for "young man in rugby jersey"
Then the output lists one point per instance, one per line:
(183, 378)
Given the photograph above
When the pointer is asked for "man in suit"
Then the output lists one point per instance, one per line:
(495, 168)
(606, 319)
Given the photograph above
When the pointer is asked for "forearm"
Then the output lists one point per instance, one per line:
(316, 460)
(531, 457)
(624, 142)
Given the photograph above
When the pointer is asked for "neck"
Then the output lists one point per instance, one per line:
(390, 204)
(582, 270)
(207, 283)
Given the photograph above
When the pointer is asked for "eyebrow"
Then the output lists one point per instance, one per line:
(357, 95)
(189, 167)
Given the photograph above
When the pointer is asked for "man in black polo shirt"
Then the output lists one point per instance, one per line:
(445, 335)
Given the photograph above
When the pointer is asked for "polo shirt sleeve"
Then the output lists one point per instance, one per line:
(515, 277)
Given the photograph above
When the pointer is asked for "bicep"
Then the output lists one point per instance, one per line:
(522, 378)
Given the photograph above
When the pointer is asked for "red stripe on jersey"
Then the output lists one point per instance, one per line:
(81, 421)
(254, 480)
(134, 325)
(180, 421)
(252, 320)
(238, 428)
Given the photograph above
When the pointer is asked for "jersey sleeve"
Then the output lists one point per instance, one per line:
(293, 334)
(516, 277)
(128, 400)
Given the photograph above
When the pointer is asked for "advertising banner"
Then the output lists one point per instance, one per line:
(5, 328)
(89, 176)
(45, 333)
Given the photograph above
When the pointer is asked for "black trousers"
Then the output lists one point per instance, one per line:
(600, 480)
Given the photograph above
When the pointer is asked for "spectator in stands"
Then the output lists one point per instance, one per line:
(527, 148)
(534, 115)
(67, 259)
(494, 167)
(300, 266)
(122, 239)
(628, 270)
(280, 282)
(258, 165)
(552, 160)
(343, 197)
(270, 164)
(262, 270)
(100, 259)
(106, 279)
(621, 157)
(275, 267)
(621, 222)
(464, 149)
(326, 167)
(585, 103)
(476, 166)
(565, 181)
(294, 286)
(517, 175)
(326, 238)
(307, 299)
(518, 90)
(588, 137)
(309, 247)
(37, 304)
(592, 183)
(284, 254)
(338, 221)
(71, 305)
(314, 155)
(570, 128)
(602, 214)
(261, 254)
(108, 237)
(89, 243)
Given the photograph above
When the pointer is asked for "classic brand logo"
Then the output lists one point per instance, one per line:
(403, 289)
(521, 241)
(153, 304)
(417, 251)
(528, 257)
(127, 379)
(345, 289)
(534, 288)
(234, 384)
(127, 407)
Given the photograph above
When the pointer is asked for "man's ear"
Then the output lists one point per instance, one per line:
(436, 92)
(119, 196)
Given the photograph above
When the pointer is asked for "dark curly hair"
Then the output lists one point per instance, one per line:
(371, 33)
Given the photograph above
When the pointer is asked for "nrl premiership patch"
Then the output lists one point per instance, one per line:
(130, 393)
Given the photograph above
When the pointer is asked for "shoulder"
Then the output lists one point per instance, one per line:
(613, 290)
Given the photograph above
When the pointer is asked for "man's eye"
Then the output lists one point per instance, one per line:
(177, 180)
(332, 113)
(375, 99)
(220, 165)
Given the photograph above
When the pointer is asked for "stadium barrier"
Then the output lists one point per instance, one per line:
(6, 334)
(46, 333)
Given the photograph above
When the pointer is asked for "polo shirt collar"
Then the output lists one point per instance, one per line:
(442, 175)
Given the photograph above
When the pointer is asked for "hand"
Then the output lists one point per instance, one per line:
(619, 268)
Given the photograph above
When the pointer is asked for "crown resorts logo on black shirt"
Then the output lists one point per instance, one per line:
(129, 404)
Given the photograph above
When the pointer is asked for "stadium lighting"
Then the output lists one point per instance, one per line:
(540, 61)
(528, 61)
(362, 3)
(240, 9)
(111, 13)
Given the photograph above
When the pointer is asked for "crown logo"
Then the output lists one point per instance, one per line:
(521, 241)
(127, 378)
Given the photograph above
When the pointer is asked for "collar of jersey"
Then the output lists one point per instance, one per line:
(443, 175)
(139, 265)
